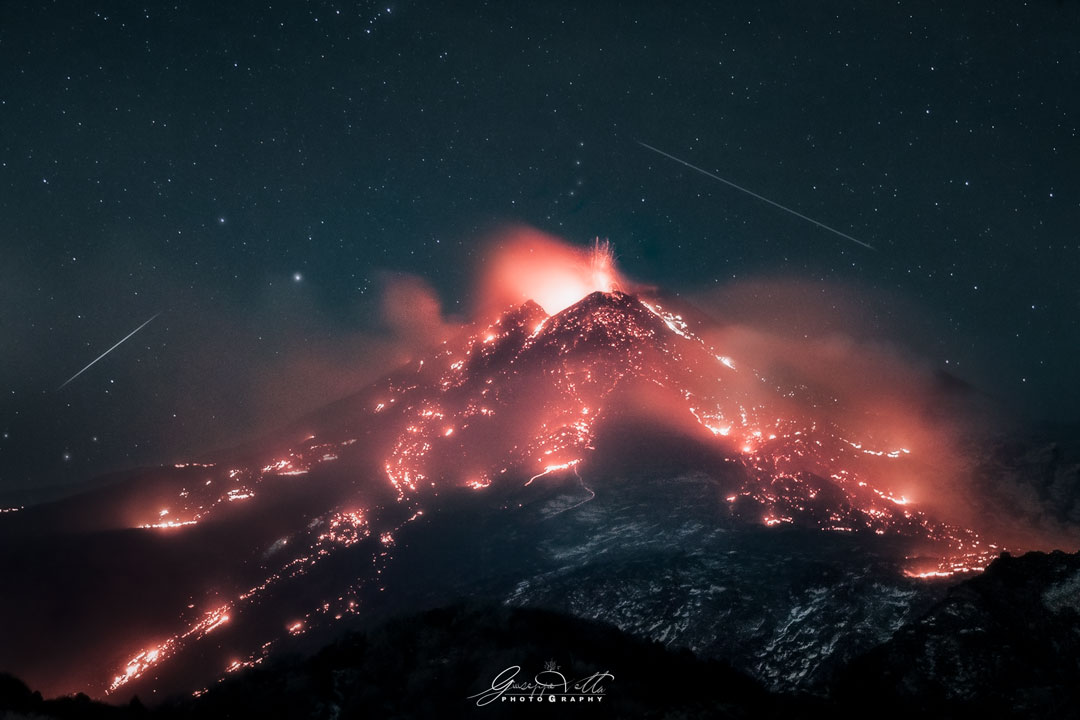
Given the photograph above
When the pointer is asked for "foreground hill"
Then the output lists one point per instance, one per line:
(1002, 644)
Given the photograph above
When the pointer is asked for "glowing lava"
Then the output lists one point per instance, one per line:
(556, 376)
(522, 399)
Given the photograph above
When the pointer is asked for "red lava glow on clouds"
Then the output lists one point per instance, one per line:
(818, 353)
(526, 264)
(850, 356)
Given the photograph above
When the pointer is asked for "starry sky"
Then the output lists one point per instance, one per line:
(255, 172)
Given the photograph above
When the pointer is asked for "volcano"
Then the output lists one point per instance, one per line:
(603, 460)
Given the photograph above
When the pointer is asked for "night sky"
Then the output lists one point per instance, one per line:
(256, 173)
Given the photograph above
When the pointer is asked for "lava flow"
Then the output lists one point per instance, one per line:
(518, 402)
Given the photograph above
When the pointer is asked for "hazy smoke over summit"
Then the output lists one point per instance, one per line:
(523, 264)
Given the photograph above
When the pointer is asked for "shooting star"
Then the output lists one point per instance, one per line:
(751, 193)
(68, 381)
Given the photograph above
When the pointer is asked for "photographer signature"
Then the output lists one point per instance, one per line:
(549, 685)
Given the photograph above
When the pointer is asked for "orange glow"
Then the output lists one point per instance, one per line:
(554, 468)
(169, 524)
(530, 265)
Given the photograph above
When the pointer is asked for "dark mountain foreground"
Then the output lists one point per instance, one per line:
(428, 665)
(1003, 644)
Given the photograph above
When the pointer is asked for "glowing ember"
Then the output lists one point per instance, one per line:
(346, 528)
(170, 524)
(554, 468)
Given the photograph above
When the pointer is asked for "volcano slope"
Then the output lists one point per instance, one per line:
(602, 461)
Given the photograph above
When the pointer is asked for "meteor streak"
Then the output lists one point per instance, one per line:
(66, 382)
(751, 193)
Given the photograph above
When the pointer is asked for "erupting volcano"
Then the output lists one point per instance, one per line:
(174, 578)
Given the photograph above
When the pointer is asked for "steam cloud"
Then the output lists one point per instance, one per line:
(526, 264)
(851, 356)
